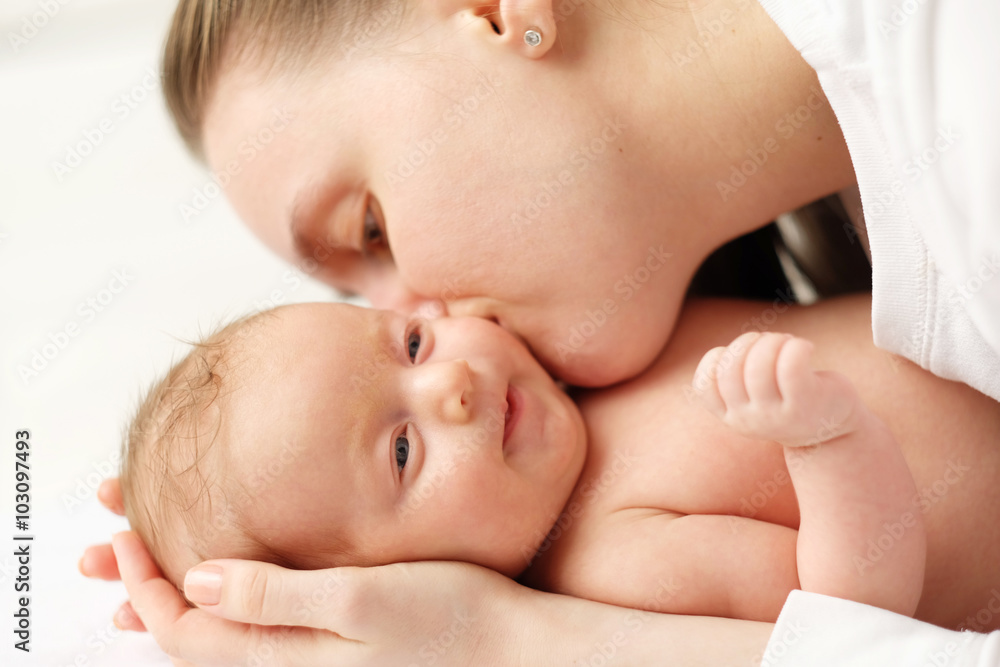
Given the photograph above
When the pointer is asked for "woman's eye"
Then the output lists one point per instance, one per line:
(413, 345)
(374, 242)
(402, 451)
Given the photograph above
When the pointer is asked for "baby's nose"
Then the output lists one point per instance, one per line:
(447, 387)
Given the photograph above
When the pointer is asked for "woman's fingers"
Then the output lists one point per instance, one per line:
(359, 604)
(99, 562)
(204, 640)
(127, 619)
(259, 613)
(265, 594)
(153, 598)
(110, 495)
(157, 602)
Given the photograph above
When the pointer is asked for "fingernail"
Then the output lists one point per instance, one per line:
(120, 619)
(86, 564)
(203, 584)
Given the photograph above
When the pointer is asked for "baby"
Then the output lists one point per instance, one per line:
(322, 435)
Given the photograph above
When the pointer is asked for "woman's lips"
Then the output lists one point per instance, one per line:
(514, 408)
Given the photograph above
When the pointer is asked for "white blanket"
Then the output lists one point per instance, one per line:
(98, 273)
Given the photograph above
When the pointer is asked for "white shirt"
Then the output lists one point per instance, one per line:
(818, 631)
(915, 85)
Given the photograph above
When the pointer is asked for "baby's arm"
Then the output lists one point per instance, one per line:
(859, 537)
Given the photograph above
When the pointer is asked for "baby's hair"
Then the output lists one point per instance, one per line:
(177, 503)
(207, 35)
(180, 493)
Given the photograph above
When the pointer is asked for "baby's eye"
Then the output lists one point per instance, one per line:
(402, 451)
(413, 344)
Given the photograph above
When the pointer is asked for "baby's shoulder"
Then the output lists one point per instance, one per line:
(590, 554)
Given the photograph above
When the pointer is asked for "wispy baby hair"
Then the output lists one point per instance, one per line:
(173, 482)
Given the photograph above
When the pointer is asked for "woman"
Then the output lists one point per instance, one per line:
(533, 162)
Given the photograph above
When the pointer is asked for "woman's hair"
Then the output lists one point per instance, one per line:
(207, 35)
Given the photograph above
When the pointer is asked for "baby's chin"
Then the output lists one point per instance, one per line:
(571, 435)
(516, 562)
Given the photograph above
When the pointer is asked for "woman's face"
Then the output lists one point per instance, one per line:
(447, 169)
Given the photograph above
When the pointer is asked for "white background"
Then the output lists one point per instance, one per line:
(62, 238)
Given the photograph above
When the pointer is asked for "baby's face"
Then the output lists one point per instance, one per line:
(408, 439)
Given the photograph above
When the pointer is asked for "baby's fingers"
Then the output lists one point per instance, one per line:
(794, 372)
(705, 382)
(760, 369)
(732, 385)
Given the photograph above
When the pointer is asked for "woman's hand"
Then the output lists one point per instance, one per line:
(269, 596)
(409, 613)
(406, 614)
(99, 561)
(448, 613)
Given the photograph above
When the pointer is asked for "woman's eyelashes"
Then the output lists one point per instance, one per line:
(374, 242)
(413, 339)
(402, 451)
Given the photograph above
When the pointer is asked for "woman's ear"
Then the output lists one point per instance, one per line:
(527, 27)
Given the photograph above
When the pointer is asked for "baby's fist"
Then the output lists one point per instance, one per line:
(763, 387)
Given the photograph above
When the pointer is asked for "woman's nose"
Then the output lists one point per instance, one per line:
(444, 390)
(392, 294)
(472, 307)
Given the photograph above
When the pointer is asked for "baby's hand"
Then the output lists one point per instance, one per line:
(763, 387)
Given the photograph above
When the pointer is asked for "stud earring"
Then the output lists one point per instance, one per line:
(532, 37)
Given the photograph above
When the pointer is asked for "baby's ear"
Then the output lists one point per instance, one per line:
(526, 27)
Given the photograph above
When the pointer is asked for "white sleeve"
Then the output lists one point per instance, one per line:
(939, 96)
(820, 631)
